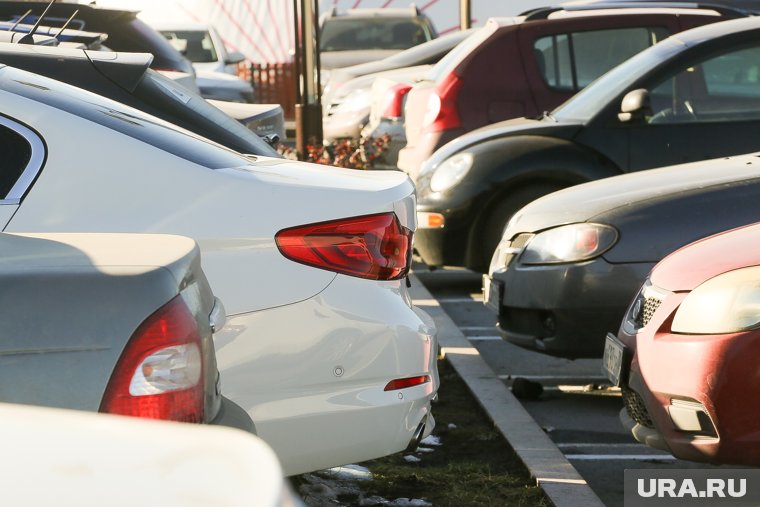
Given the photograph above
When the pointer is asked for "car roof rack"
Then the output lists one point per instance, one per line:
(545, 12)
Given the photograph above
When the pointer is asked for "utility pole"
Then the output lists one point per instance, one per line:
(465, 17)
(308, 85)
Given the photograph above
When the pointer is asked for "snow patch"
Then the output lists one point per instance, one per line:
(349, 472)
(409, 502)
(412, 459)
(431, 440)
(424, 449)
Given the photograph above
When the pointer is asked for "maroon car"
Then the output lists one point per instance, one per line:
(523, 66)
(686, 353)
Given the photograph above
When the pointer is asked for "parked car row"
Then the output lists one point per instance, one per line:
(603, 89)
(645, 254)
(322, 349)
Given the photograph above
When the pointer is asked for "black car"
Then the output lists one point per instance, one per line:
(694, 96)
(125, 31)
(126, 78)
(570, 263)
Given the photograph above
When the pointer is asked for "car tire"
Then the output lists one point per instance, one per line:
(498, 216)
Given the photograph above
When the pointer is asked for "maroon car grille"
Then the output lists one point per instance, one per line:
(634, 405)
(650, 305)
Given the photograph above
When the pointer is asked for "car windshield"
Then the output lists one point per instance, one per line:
(348, 34)
(587, 103)
(120, 118)
(196, 45)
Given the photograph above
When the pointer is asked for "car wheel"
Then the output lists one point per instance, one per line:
(499, 215)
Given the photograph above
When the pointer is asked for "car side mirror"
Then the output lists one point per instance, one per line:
(635, 106)
(234, 57)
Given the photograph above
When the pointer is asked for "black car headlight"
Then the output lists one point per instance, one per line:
(451, 172)
(569, 243)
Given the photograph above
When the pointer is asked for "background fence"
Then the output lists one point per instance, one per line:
(274, 83)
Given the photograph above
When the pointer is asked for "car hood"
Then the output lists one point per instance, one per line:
(698, 199)
(337, 59)
(627, 193)
(508, 128)
(696, 263)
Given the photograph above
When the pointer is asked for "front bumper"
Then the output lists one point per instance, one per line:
(565, 309)
(312, 374)
(698, 390)
(448, 245)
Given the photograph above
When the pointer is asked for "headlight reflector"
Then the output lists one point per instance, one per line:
(727, 303)
(569, 243)
(451, 172)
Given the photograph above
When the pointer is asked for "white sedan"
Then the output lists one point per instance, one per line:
(322, 347)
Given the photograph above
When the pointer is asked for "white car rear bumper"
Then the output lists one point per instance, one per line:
(325, 362)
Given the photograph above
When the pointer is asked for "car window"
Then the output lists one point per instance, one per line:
(23, 154)
(198, 46)
(591, 100)
(347, 34)
(725, 87)
(569, 62)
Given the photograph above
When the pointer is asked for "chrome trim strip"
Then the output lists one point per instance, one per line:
(34, 165)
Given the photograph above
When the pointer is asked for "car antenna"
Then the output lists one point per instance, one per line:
(66, 24)
(29, 38)
(18, 22)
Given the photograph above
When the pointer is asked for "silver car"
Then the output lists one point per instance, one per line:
(111, 323)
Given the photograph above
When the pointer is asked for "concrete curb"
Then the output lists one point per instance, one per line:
(560, 481)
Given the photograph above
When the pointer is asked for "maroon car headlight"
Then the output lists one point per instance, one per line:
(569, 243)
(727, 303)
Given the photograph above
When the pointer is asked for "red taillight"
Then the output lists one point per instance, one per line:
(377, 247)
(403, 383)
(394, 101)
(160, 372)
(442, 111)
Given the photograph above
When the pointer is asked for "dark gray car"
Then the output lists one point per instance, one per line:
(569, 264)
(116, 323)
(126, 78)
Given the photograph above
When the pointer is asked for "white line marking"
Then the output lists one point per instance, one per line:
(594, 444)
(460, 300)
(485, 338)
(466, 329)
(619, 457)
(580, 376)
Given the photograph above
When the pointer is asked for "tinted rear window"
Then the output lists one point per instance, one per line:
(120, 118)
(347, 34)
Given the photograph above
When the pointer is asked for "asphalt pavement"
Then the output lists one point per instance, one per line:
(578, 409)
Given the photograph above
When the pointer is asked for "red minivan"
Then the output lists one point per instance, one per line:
(523, 66)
